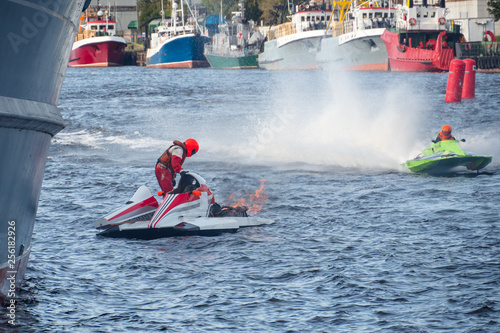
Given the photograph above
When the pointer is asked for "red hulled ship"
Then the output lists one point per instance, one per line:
(423, 40)
(96, 44)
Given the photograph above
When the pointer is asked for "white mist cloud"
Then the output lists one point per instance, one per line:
(341, 121)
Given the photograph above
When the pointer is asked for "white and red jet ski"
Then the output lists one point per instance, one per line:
(190, 209)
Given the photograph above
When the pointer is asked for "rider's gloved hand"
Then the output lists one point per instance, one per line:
(183, 172)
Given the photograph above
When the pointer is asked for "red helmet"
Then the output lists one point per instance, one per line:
(192, 147)
(446, 129)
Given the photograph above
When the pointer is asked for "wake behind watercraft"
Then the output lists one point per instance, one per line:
(190, 209)
(445, 156)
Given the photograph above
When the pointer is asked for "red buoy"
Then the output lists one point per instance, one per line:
(455, 81)
(469, 88)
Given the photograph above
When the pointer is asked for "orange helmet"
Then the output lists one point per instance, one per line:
(446, 129)
(192, 147)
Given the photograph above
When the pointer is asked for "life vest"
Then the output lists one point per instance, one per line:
(445, 137)
(166, 157)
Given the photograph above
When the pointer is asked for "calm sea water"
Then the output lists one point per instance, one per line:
(359, 244)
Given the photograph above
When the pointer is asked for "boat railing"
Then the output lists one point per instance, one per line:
(477, 49)
(340, 28)
(220, 50)
(351, 25)
(90, 34)
(169, 31)
(281, 30)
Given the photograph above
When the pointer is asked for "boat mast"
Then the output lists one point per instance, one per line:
(173, 15)
(220, 21)
(162, 13)
(107, 17)
(182, 11)
(242, 9)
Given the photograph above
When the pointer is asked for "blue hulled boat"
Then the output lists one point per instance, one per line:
(178, 43)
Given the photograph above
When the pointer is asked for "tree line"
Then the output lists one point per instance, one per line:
(257, 10)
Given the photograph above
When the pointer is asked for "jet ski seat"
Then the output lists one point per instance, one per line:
(187, 183)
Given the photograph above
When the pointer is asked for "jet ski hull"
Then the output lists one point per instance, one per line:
(440, 165)
(201, 226)
(446, 156)
(152, 233)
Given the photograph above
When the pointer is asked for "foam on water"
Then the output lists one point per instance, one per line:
(100, 141)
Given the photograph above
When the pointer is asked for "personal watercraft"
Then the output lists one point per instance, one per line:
(190, 209)
(444, 156)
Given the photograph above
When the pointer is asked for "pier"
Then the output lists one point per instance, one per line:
(135, 55)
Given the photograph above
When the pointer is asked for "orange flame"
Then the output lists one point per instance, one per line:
(256, 200)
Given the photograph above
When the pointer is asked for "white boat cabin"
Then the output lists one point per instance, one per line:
(306, 17)
(95, 24)
(350, 17)
(310, 20)
(422, 15)
(372, 17)
(102, 28)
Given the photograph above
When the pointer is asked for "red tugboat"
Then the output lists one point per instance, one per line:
(422, 40)
(96, 44)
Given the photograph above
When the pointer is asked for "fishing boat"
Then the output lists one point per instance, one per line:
(178, 43)
(444, 157)
(422, 40)
(355, 43)
(236, 45)
(33, 62)
(293, 45)
(96, 44)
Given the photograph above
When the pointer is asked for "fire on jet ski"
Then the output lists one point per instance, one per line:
(190, 209)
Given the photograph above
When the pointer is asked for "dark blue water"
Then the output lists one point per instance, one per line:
(359, 243)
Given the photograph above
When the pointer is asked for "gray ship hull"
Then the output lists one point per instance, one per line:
(37, 37)
(355, 51)
(296, 51)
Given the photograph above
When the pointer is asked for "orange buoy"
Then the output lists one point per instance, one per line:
(469, 87)
(455, 81)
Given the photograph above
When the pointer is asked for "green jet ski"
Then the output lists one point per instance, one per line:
(443, 156)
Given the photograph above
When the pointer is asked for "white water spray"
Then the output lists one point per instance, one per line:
(339, 121)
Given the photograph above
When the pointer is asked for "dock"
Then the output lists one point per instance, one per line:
(135, 55)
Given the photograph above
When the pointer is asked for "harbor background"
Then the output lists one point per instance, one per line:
(359, 243)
